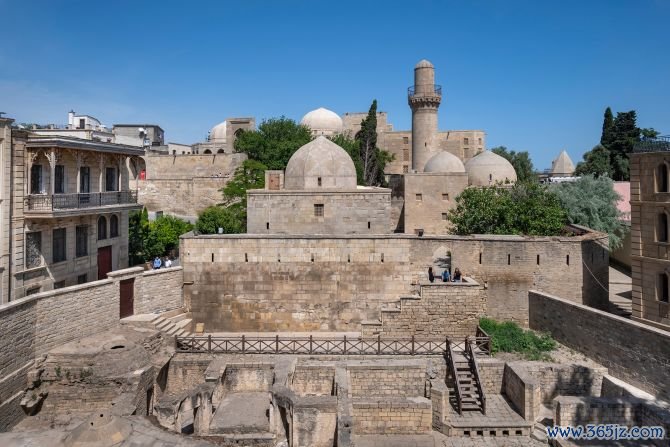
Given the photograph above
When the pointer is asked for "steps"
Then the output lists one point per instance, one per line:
(175, 325)
(465, 381)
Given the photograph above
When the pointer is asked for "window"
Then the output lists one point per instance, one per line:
(82, 123)
(220, 151)
(102, 228)
(59, 245)
(36, 179)
(405, 154)
(33, 291)
(480, 141)
(110, 179)
(82, 240)
(662, 178)
(33, 249)
(318, 210)
(662, 228)
(318, 181)
(445, 196)
(444, 216)
(59, 285)
(81, 279)
(405, 169)
(663, 292)
(419, 197)
(405, 140)
(114, 226)
(59, 181)
(84, 179)
(466, 141)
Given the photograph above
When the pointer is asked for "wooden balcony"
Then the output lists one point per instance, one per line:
(47, 205)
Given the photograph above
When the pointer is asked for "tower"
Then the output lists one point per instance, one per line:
(424, 99)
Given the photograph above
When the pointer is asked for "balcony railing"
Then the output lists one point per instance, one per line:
(657, 144)
(56, 202)
(425, 90)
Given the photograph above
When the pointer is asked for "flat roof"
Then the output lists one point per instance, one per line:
(137, 125)
(37, 141)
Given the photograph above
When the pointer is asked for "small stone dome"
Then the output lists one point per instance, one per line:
(323, 122)
(424, 63)
(488, 168)
(218, 133)
(562, 166)
(444, 162)
(320, 164)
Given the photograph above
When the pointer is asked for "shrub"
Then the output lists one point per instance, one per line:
(507, 336)
(231, 219)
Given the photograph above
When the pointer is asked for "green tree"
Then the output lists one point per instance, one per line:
(251, 175)
(138, 230)
(607, 135)
(367, 140)
(274, 142)
(527, 208)
(596, 162)
(149, 239)
(592, 202)
(521, 161)
(649, 132)
(215, 217)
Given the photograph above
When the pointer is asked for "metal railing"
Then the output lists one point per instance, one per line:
(474, 369)
(657, 144)
(312, 345)
(453, 369)
(425, 90)
(47, 202)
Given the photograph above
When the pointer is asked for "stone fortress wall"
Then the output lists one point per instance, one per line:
(184, 185)
(32, 326)
(312, 283)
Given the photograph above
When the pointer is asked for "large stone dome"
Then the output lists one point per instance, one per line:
(323, 122)
(444, 162)
(320, 164)
(218, 134)
(488, 168)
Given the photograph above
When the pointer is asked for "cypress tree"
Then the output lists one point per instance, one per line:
(608, 128)
(367, 138)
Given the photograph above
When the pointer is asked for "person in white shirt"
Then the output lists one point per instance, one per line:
(168, 263)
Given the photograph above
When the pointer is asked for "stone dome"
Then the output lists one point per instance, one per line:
(218, 133)
(320, 164)
(488, 168)
(444, 162)
(323, 122)
(424, 63)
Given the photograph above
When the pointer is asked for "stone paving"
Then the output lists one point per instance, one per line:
(498, 414)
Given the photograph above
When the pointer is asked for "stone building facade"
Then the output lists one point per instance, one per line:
(5, 205)
(650, 231)
(68, 214)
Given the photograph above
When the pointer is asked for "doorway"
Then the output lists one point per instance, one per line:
(127, 295)
(104, 261)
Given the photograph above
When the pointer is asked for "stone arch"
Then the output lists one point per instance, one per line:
(207, 151)
(662, 226)
(102, 228)
(661, 175)
(220, 151)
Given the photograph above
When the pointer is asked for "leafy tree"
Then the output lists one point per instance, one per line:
(527, 208)
(149, 239)
(596, 162)
(251, 175)
(138, 230)
(274, 142)
(592, 202)
(607, 136)
(215, 217)
(649, 132)
(521, 161)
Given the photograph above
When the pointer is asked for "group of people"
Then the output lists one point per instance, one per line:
(159, 263)
(446, 277)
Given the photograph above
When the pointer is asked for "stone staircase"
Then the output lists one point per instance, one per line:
(169, 323)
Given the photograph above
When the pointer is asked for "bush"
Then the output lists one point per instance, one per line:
(507, 336)
(231, 219)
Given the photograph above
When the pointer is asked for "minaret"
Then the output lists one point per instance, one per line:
(424, 98)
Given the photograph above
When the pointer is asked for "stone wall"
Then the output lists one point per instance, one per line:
(34, 325)
(313, 380)
(392, 416)
(361, 211)
(442, 310)
(392, 378)
(310, 283)
(631, 351)
(186, 167)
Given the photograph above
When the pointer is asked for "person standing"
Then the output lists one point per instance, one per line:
(445, 275)
(431, 276)
(457, 275)
(157, 263)
(168, 262)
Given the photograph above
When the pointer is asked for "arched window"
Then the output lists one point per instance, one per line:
(102, 228)
(207, 151)
(662, 228)
(662, 178)
(238, 132)
(114, 226)
(220, 151)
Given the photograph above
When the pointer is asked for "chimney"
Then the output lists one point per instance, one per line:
(70, 119)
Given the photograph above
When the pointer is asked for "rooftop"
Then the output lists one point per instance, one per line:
(659, 144)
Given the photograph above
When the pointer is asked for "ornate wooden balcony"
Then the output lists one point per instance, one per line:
(48, 205)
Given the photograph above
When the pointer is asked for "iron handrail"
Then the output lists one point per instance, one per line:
(656, 144)
(474, 367)
(457, 386)
(51, 202)
(427, 91)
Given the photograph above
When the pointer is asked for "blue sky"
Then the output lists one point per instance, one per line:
(535, 75)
